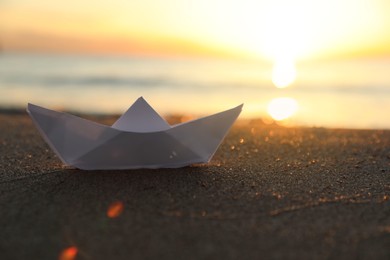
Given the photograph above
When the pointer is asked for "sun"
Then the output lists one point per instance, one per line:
(286, 40)
(283, 73)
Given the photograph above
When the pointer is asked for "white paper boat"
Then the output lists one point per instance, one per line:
(140, 138)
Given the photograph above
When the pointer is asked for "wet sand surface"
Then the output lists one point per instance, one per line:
(269, 192)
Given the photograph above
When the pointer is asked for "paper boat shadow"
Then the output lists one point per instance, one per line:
(197, 169)
(140, 138)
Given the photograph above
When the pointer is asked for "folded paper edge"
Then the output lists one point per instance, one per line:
(130, 121)
(43, 134)
(31, 107)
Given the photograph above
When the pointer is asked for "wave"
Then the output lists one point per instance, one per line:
(91, 81)
(150, 82)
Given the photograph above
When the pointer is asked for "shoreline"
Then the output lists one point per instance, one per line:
(175, 118)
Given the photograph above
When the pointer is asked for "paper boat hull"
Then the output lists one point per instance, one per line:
(91, 146)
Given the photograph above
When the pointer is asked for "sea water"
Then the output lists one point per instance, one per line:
(351, 93)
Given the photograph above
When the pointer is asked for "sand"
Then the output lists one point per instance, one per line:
(270, 192)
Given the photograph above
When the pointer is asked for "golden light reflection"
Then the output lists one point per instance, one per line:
(283, 72)
(69, 253)
(282, 108)
(115, 209)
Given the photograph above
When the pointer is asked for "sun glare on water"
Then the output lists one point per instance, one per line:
(282, 108)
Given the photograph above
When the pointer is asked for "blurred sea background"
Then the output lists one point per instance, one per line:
(322, 63)
(352, 93)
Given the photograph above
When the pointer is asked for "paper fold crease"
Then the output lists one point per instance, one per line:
(140, 138)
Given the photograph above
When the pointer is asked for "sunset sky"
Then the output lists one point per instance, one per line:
(271, 29)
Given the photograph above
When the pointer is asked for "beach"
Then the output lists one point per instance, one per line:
(270, 192)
